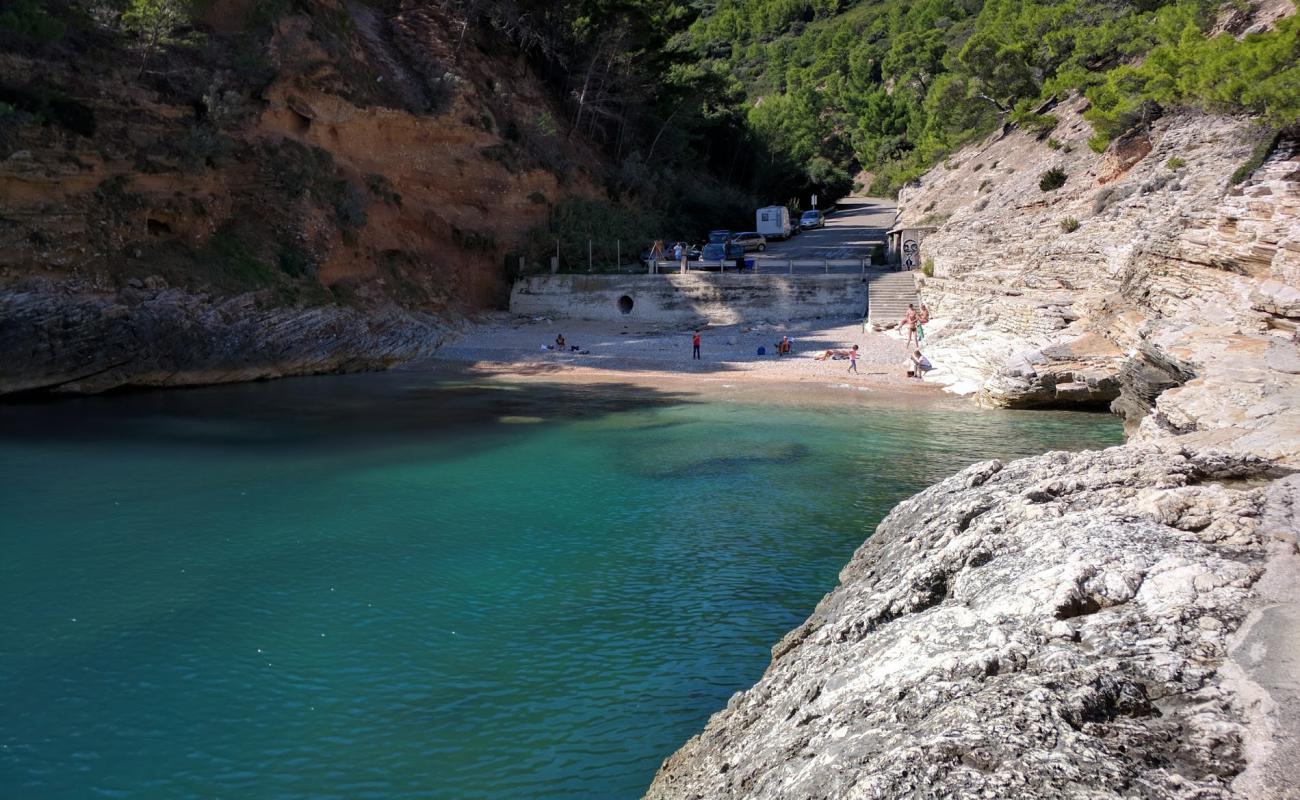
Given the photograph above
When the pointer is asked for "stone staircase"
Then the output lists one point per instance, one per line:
(888, 294)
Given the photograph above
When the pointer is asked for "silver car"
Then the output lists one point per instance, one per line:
(751, 240)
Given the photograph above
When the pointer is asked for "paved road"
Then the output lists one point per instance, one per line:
(856, 225)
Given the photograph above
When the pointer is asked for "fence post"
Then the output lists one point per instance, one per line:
(864, 266)
(826, 265)
(618, 254)
(789, 263)
(589, 255)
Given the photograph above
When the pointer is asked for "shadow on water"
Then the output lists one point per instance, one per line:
(774, 456)
(452, 399)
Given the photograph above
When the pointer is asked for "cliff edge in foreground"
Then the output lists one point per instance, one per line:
(1051, 627)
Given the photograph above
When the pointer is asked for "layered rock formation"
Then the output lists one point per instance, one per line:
(302, 186)
(59, 339)
(1047, 628)
(1149, 282)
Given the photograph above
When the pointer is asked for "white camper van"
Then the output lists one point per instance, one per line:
(774, 222)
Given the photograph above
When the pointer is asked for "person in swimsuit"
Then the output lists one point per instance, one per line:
(922, 318)
(559, 342)
(853, 360)
(909, 325)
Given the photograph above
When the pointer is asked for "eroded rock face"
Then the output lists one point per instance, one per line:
(1148, 282)
(61, 340)
(1046, 628)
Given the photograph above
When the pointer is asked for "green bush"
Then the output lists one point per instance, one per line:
(1176, 163)
(350, 207)
(1038, 124)
(1069, 224)
(1052, 179)
(927, 269)
(1054, 144)
(380, 187)
(1263, 148)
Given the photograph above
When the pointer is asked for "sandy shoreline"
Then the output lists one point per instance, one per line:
(512, 348)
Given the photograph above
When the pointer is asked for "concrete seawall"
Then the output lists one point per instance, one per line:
(724, 299)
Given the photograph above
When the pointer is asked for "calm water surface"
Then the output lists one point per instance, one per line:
(385, 586)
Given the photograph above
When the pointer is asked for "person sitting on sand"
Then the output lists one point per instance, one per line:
(909, 324)
(918, 365)
(559, 342)
(783, 346)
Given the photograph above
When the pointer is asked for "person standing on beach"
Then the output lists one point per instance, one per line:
(695, 346)
(909, 325)
(853, 360)
(921, 319)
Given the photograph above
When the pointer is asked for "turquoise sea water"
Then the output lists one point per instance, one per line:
(384, 586)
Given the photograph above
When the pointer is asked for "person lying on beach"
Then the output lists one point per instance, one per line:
(833, 355)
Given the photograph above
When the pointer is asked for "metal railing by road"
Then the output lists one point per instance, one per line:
(772, 266)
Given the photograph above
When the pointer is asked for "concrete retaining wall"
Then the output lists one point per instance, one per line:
(692, 297)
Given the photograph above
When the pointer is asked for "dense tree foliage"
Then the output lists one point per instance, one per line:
(892, 86)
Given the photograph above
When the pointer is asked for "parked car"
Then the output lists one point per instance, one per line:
(812, 219)
(716, 251)
(719, 237)
(751, 240)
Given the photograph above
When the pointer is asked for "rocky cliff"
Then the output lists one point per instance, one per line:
(321, 189)
(1114, 624)
(1054, 627)
(1152, 281)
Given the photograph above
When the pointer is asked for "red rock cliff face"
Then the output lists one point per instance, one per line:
(343, 163)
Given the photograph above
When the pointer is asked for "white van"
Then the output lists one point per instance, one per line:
(774, 222)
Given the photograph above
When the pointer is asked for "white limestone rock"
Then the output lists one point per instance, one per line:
(1045, 628)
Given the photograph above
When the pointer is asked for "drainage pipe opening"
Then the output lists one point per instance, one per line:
(625, 304)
